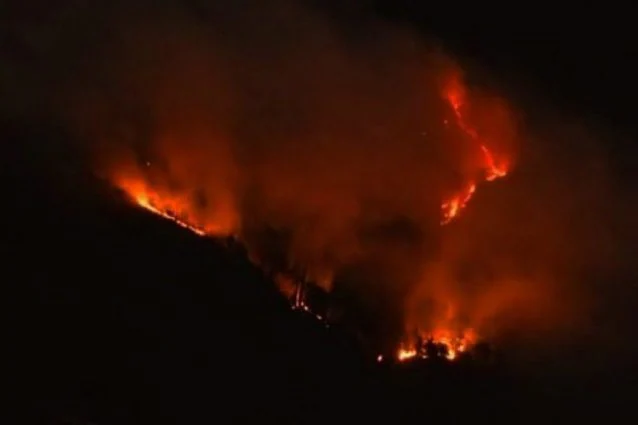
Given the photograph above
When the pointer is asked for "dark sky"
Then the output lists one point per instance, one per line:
(582, 56)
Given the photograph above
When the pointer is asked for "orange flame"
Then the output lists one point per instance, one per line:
(455, 96)
(452, 207)
(452, 345)
(171, 208)
(144, 202)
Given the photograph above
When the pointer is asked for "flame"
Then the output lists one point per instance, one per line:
(406, 353)
(452, 346)
(150, 200)
(171, 208)
(144, 202)
(450, 208)
(178, 210)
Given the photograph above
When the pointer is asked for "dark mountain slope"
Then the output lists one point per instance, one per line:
(118, 313)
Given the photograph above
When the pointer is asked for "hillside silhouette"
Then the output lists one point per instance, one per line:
(119, 316)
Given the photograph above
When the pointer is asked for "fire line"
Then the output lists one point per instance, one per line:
(440, 343)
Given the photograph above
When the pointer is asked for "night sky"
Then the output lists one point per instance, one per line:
(119, 317)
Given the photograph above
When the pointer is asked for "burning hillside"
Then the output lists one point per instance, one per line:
(182, 208)
(340, 177)
(408, 204)
(375, 169)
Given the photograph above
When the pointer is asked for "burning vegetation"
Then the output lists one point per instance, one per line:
(372, 170)
(439, 342)
(388, 190)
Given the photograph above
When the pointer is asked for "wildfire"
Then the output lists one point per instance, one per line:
(165, 207)
(451, 208)
(439, 344)
(443, 343)
(185, 213)
(406, 354)
(493, 170)
(143, 201)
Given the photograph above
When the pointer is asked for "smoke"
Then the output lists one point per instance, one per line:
(328, 149)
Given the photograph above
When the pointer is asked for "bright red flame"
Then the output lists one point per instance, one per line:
(172, 207)
(455, 96)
